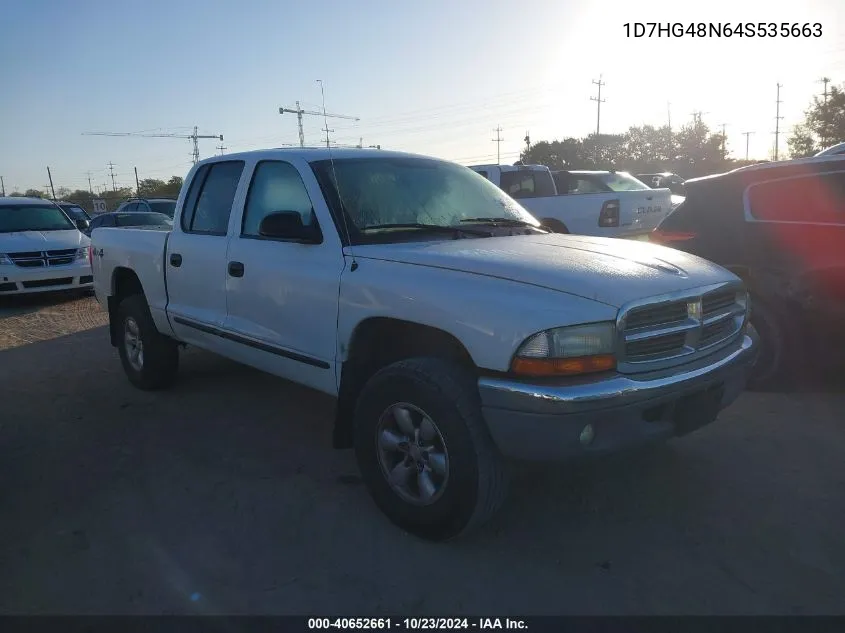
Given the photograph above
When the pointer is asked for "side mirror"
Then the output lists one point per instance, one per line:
(288, 225)
(82, 225)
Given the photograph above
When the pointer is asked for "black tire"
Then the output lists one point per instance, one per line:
(160, 360)
(476, 485)
(770, 371)
(555, 225)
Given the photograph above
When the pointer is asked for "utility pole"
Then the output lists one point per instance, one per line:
(724, 137)
(137, 185)
(778, 117)
(221, 148)
(527, 140)
(111, 173)
(327, 130)
(498, 141)
(598, 101)
(90, 187)
(747, 140)
(50, 177)
(2, 187)
(669, 114)
(825, 81)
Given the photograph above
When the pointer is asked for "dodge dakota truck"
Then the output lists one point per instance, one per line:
(454, 331)
(600, 203)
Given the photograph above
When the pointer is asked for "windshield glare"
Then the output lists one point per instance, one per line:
(379, 191)
(33, 218)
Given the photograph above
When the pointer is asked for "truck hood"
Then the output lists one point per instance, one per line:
(41, 241)
(612, 271)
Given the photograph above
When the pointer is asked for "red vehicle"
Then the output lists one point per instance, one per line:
(780, 227)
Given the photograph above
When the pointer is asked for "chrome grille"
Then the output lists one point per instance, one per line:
(677, 328)
(40, 259)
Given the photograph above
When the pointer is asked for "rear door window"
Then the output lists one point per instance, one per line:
(527, 184)
(813, 198)
(211, 207)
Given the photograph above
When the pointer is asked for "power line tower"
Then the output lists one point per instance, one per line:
(111, 173)
(194, 138)
(778, 118)
(598, 101)
(747, 141)
(299, 112)
(498, 141)
(825, 81)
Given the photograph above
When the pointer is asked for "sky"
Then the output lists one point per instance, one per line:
(433, 77)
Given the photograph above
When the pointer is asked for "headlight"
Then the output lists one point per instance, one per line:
(82, 253)
(744, 300)
(567, 351)
(4, 260)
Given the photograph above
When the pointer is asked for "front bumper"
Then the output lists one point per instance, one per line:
(15, 280)
(547, 421)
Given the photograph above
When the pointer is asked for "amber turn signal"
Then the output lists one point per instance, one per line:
(563, 366)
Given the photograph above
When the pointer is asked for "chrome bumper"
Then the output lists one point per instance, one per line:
(531, 420)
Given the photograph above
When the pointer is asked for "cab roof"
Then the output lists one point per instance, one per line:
(312, 154)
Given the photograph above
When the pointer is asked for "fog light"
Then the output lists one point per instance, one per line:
(587, 435)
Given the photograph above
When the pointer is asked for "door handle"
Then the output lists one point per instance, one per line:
(236, 269)
(175, 260)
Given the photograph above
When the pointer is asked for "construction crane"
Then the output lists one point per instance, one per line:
(299, 112)
(193, 137)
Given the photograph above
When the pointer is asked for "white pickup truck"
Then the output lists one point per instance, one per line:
(453, 330)
(600, 203)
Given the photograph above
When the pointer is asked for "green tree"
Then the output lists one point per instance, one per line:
(823, 126)
(35, 193)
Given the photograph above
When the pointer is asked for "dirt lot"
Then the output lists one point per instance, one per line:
(223, 495)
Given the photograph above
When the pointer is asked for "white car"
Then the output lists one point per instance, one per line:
(453, 330)
(41, 249)
(600, 203)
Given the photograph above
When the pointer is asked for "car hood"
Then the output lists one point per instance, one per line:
(612, 271)
(41, 241)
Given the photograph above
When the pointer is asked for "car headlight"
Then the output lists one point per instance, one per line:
(567, 351)
(4, 260)
(744, 300)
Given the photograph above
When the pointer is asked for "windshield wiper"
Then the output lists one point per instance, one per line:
(508, 221)
(438, 228)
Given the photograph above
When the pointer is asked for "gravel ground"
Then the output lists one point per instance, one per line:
(224, 496)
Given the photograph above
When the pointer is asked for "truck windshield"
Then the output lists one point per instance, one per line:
(621, 181)
(400, 191)
(33, 218)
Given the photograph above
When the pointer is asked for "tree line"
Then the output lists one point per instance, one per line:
(147, 188)
(691, 151)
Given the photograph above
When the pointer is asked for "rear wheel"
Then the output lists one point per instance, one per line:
(424, 450)
(149, 359)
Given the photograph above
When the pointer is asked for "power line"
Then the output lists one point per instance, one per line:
(598, 101)
(778, 118)
(498, 141)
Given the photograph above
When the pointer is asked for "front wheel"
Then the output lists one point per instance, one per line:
(771, 369)
(149, 359)
(424, 450)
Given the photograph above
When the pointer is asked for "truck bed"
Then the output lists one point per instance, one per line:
(137, 250)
